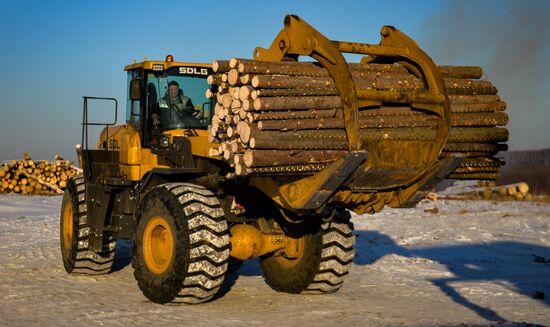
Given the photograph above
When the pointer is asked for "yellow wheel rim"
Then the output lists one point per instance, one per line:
(291, 254)
(158, 245)
(67, 225)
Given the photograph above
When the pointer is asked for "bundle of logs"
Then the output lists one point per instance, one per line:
(287, 118)
(43, 177)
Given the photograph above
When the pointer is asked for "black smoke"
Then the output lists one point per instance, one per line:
(510, 40)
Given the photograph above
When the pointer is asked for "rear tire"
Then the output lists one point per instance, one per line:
(181, 247)
(324, 260)
(74, 234)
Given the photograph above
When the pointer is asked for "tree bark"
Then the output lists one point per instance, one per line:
(258, 158)
(220, 66)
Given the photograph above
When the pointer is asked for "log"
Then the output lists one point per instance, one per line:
(233, 77)
(480, 162)
(325, 85)
(286, 82)
(477, 135)
(234, 63)
(479, 119)
(479, 176)
(364, 122)
(296, 114)
(281, 68)
(227, 99)
(296, 124)
(246, 78)
(298, 102)
(267, 142)
(336, 138)
(462, 86)
(291, 92)
(239, 169)
(214, 79)
(477, 107)
(307, 169)
(523, 188)
(474, 147)
(219, 66)
(518, 196)
(470, 170)
(243, 114)
(258, 158)
(236, 147)
(474, 72)
(235, 106)
(246, 105)
(313, 69)
(244, 92)
(289, 103)
(209, 94)
(222, 87)
(236, 119)
(473, 99)
(487, 193)
(232, 90)
(244, 130)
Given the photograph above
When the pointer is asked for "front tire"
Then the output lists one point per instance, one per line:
(74, 234)
(323, 258)
(181, 247)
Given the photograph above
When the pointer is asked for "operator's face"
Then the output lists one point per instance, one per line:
(173, 90)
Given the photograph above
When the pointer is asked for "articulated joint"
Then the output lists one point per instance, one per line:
(247, 242)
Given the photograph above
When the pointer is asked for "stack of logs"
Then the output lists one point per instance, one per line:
(35, 177)
(287, 118)
(517, 191)
(487, 190)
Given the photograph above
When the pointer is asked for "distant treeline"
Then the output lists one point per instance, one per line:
(532, 167)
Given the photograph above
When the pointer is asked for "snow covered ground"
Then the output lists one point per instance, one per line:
(471, 262)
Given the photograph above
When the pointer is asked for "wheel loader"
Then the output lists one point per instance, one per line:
(190, 216)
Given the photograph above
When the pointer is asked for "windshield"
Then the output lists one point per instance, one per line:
(176, 99)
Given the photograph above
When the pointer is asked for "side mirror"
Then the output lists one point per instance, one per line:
(135, 89)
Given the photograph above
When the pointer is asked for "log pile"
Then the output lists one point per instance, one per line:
(517, 191)
(488, 190)
(287, 118)
(42, 177)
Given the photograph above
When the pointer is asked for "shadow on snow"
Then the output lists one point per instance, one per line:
(522, 266)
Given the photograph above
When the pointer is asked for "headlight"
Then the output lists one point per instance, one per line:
(164, 141)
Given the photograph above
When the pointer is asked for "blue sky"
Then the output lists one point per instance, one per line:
(54, 52)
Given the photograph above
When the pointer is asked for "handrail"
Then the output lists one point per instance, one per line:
(85, 122)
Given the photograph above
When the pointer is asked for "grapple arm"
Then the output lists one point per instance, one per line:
(298, 38)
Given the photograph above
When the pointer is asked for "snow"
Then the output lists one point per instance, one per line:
(472, 262)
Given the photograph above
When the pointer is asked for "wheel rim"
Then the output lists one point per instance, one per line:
(291, 255)
(67, 225)
(158, 245)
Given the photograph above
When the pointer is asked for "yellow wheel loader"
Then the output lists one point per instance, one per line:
(153, 180)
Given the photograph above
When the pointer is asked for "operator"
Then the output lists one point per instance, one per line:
(174, 101)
